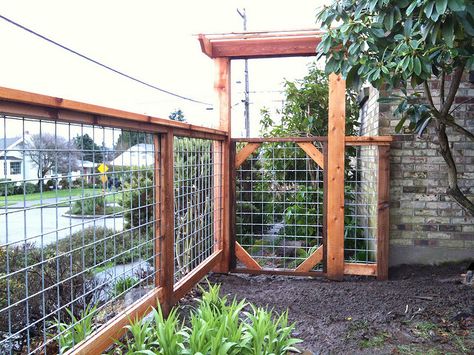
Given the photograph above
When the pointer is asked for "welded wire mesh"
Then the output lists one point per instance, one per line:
(360, 222)
(279, 212)
(197, 182)
(77, 229)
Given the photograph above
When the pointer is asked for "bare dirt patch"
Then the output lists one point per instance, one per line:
(420, 310)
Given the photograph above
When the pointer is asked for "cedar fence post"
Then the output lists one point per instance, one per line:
(335, 176)
(166, 250)
(383, 203)
(222, 88)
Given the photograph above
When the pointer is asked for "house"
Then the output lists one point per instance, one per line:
(138, 155)
(13, 165)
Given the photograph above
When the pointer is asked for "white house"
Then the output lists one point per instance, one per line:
(137, 155)
(14, 165)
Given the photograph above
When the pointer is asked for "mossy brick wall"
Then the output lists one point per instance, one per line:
(426, 225)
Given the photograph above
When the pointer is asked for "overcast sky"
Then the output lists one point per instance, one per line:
(151, 40)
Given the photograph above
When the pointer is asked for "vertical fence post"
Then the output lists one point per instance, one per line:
(217, 155)
(335, 172)
(167, 219)
(222, 88)
(325, 207)
(383, 204)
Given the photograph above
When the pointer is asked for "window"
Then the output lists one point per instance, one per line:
(15, 168)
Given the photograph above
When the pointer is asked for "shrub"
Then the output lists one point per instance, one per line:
(137, 199)
(92, 206)
(64, 183)
(7, 187)
(27, 188)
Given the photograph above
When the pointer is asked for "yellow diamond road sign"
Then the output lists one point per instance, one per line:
(103, 178)
(103, 168)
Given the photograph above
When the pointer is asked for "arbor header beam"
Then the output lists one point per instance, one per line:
(260, 44)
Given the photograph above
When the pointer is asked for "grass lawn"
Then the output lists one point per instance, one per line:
(59, 194)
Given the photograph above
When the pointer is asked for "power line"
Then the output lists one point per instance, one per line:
(83, 56)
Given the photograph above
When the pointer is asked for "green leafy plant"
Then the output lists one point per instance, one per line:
(124, 284)
(405, 49)
(72, 333)
(216, 327)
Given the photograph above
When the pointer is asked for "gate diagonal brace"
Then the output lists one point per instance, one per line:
(313, 260)
(244, 153)
(313, 153)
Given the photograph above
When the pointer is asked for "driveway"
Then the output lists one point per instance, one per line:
(45, 225)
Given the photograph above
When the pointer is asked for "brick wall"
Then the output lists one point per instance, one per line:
(426, 225)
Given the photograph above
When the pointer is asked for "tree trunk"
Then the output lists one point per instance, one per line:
(453, 189)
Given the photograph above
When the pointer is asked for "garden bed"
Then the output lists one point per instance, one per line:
(421, 309)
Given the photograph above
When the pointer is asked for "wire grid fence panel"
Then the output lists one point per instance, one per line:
(361, 197)
(77, 229)
(197, 180)
(279, 205)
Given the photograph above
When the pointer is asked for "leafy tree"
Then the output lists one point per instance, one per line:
(128, 139)
(305, 112)
(407, 46)
(52, 154)
(89, 150)
(177, 115)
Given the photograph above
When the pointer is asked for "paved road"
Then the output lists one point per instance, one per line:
(43, 226)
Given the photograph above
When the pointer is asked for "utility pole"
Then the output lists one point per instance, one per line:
(243, 14)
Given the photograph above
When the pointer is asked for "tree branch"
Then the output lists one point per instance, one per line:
(450, 122)
(441, 89)
(453, 89)
(429, 96)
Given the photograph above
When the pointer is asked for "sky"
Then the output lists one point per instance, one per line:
(151, 40)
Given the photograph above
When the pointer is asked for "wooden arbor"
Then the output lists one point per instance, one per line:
(224, 48)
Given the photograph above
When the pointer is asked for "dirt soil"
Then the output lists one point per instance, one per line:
(420, 310)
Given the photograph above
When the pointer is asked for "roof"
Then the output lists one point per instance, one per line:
(7, 142)
(138, 155)
(261, 44)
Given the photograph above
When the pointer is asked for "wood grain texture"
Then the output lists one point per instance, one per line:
(335, 170)
(222, 89)
(167, 219)
(313, 260)
(246, 258)
(383, 215)
(313, 153)
(43, 106)
(261, 44)
(360, 269)
(244, 153)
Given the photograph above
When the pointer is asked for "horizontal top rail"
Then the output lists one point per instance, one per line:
(261, 44)
(26, 104)
(350, 140)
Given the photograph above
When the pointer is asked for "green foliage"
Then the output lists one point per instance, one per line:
(397, 42)
(27, 188)
(193, 167)
(72, 333)
(7, 187)
(93, 205)
(79, 255)
(128, 139)
(407, 46)
(305, 112)
(216, 327)
(177, 115)
(88, 149)
(124, 284)
(137, 198)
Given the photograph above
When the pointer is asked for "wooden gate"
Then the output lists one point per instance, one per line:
(280, 206)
